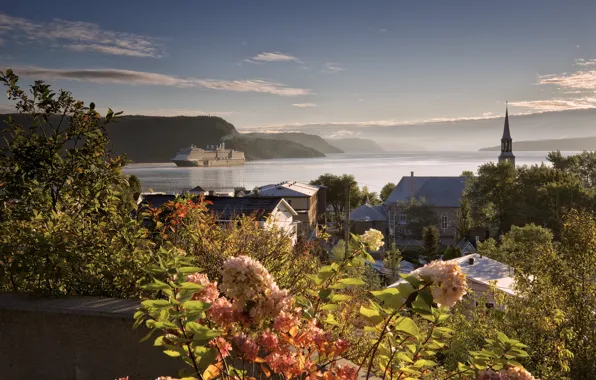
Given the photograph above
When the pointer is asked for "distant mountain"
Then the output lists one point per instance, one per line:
(311, 141)
(158, 139)
(575, 144)
(356, 145)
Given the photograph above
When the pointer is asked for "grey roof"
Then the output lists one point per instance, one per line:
(155, 200)
(368, 213)
(438, 191)
(506, 133)
(226, 208)
(465, 246)
(288, 189)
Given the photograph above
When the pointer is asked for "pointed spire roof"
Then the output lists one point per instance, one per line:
(506, 133)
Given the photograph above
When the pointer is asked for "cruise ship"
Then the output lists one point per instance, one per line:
(210, 156)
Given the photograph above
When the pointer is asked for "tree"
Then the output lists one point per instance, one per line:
(386, 190)
(430, 238)
(367, 196)
(392, 261)
(338, 188)
(64, 227)
(582, 165)
(419, 214)
(451, 253)
(464, 218)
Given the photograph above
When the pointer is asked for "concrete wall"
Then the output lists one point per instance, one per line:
(79, 338)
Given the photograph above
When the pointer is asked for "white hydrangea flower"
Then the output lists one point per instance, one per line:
(373, 239)
(448, 281)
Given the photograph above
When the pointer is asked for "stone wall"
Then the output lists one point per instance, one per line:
(79, 338)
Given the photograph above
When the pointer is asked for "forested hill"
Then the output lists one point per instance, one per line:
(311, 141)
(569, 145)
(356, 145)
(158, 139)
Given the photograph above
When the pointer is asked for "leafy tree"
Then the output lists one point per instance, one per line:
(451, 253)
(464, 218)
(430, 238)
(386, 190)
(368, 196)
(62, 227)
(338, 188)
(419, 214)
(582, 165)
(392, 261)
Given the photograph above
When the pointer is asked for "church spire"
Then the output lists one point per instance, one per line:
(506, 141)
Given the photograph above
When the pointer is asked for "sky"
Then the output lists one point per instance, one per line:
(270, 64)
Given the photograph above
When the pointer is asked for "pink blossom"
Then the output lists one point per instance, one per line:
(269, 340)
(222, 312)
(209, 293)
(246, 346)
(286, 364)
(243, 279)
(341, 346)
(285, 321)
(511, 373)
(223, 347)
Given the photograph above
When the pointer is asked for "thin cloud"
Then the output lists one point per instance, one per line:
(304, 105)
(129, 77)
(584, 62)
(175, 112)
(272, 57)
(79, 36)
(579, 80)
(554, 105)
(332, 68)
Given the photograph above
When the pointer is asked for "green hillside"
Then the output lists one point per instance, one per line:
(311, 141)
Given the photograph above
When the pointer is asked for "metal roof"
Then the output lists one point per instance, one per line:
(482, 270)
(288, 189)
(368, 213)
(438, 191)
(227, 208)
(506, 132)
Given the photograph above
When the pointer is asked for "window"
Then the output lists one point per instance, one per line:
(407, 232)
(402, 218)
(444, 221)
(289, 201)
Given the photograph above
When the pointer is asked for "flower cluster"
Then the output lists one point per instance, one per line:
(252, 289)
(209, 293)
(373, 239)
(448, 282)
(511, 373)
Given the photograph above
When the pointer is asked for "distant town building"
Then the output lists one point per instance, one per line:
(309, 201)
(211, 155)
(270, 212)
(507, 142)
(442, 193)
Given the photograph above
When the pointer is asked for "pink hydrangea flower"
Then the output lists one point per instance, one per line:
(285, 321)
(209, 293)
(511, 373)
(269, 340)
(247, 347)
(286, 364)
(222, 312)
(222, 345)
(448, 281)
(346, 372)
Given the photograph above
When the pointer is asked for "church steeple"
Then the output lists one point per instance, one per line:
(506, 141)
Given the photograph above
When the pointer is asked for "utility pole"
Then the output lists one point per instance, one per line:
(347, 224)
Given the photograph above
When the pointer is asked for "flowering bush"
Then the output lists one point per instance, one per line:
(247, 326)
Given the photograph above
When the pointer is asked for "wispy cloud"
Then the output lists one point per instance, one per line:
(330, 67)
(304, 105)
(272, 57)
(79, 36)
(553, 105)
(174, 112)
(579, 80)
(584, 62)
(114, 76)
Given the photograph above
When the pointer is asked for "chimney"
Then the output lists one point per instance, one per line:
(411, 186)
(471, 261)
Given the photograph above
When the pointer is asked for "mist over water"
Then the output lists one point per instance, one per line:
(371, 169)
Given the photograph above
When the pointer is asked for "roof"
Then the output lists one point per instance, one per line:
(368, 213)
(288, 189)
(154, 200)
(227, 208)
(197, 189)
(438, 191)
(465, 244)
(506, 132)
(483, 271)
(405, 267)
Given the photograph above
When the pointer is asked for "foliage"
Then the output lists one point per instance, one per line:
(62, 225)
(369, 197)
(387, 190)
(464, 218)
(582, 165)
(451, 253)
(430, 238)
(392, 261)
(338, 189)
(419, 214)
(253, 325)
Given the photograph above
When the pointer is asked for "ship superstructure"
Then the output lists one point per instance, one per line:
(211, 155)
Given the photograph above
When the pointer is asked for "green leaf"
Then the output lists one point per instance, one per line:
(424, 300)
(340, 298)
(408, 326)
(155, 304)
(196, 306)
(191, 286)
(330, 306)
(189, 270)
(201, 332)
(207, 357)
(351, 281)
(156, 285)
(404, 358)
(158, 341)
(172, 353)
(412, 280)
(423, 363)
(331, 320)
(391, 297)
(324, 294)
(371, 315)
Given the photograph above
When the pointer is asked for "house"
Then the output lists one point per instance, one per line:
(481, 272)
(154, 200)
(466, 247)
(270, 212)
(309, 201)
(366, 217)
(442, 193)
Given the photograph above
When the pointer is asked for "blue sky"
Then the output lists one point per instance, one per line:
(267, 64)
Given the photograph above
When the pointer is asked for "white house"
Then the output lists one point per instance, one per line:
(480, 273)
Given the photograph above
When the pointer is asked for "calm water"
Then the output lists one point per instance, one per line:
(373, 170)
